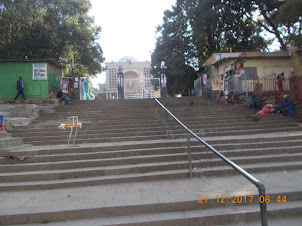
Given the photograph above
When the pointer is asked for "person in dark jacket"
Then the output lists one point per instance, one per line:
(254, 102)
(60, 96)
(20, 88)
(286, 108)
(280, 79)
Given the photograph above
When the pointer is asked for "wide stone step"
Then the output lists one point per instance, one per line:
(151, 110)
(288, 214)
(47, 140)
(157, 123)
(99, 116)
(202, 118)
(119, 174)
(99, 123)
(142, 201)
(146, 111)
(229, 117)
(151, 153)
(224, 143)
(81, 140)
(198, 161)
(104, 132)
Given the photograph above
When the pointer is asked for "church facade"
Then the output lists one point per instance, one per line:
(136, 76)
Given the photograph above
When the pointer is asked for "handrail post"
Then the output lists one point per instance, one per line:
(167, 117)
(167, 125)
(189, 153)
(248, 176)
(261, 190)
(156, 110)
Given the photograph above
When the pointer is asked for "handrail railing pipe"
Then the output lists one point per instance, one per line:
(257, 183)
(190, 155)
(149, 95)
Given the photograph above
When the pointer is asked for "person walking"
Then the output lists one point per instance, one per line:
(20, 88)
(280, 79)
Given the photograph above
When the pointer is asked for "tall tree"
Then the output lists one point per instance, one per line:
(222, 26)
(37, 29)
(282, 18)
(174, 46)
(194, 29)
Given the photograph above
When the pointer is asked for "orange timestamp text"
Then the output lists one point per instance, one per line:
(243, 199)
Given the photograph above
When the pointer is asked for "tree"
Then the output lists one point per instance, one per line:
(222, 26)
(174, 47)
(194, 29)
(290, 18)
(43, 29)
(282, 18)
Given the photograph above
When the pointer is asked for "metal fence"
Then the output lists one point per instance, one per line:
(268, 86)
(198, 83)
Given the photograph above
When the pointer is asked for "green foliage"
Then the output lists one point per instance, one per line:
(290, 17)
(44, 29)
(194, 29)
(282, 18)
(222, 26)
(174, 46)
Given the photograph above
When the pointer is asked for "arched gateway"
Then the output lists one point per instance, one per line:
(134, 77)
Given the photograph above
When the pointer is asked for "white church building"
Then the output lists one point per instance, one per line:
(136, 76)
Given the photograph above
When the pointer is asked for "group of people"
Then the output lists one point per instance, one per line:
(286, 107)
(20, 87)
(221, 96)
(225, 98)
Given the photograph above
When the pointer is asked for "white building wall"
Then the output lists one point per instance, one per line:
(128, 68)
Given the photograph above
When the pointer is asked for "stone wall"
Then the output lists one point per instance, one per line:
(22, 114)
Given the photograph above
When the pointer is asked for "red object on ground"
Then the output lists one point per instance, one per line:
(1, 127)
(264, 111)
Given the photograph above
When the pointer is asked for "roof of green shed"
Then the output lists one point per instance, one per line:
(52, 61)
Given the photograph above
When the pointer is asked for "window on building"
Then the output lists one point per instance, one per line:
(112, 78)
(250, 72)
(147, 76)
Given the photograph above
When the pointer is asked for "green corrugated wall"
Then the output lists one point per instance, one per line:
(53, 80)
(9, 74)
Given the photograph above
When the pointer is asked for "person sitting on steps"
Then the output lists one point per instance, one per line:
(254, 102)
(61, 97)
(221, 97)
(232, 97)
(286, 108)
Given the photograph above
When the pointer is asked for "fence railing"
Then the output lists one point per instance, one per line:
(257, 183)
(269, 86)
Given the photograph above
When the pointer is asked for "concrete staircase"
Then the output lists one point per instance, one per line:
(130, 166)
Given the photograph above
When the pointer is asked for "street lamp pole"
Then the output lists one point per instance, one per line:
(120, 83)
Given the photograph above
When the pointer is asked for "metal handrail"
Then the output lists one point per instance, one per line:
(144, 90)
(257, 183)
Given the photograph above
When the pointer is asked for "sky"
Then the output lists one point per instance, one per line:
(128, 28)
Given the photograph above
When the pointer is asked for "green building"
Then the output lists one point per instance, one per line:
(40, 77)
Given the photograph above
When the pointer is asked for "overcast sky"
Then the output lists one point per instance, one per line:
(128, 27)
